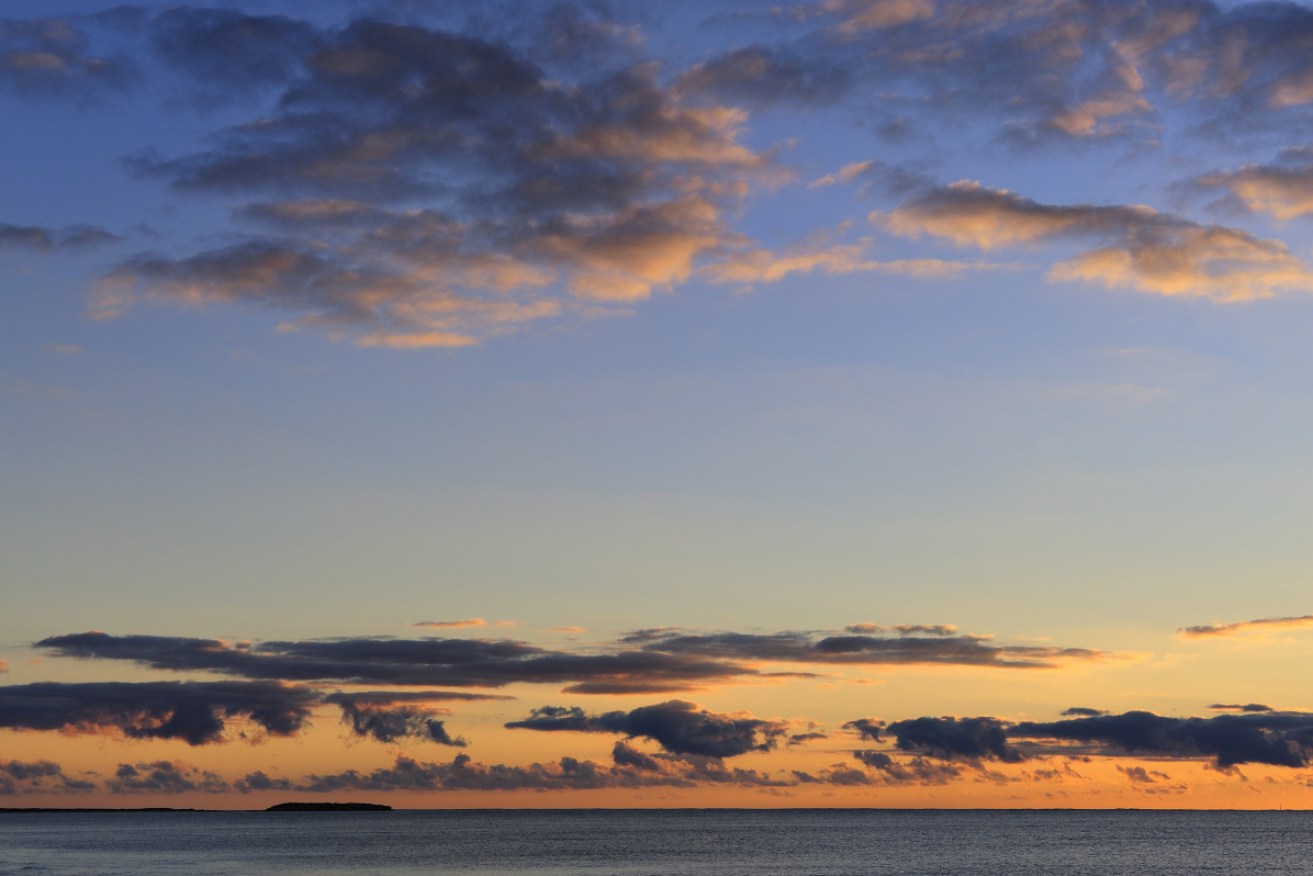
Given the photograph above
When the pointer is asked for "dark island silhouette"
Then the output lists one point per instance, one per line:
(329, 807)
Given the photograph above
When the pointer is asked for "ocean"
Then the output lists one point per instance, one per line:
(656, 843)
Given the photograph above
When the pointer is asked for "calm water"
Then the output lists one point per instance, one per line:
(649, 843)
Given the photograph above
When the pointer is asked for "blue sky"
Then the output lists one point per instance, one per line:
(715, 318)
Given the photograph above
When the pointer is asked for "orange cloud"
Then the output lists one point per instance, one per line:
(1260, 625)
(864, 15)
(1143, 249)
(1284, 192)
(453, 624)
(753, 266)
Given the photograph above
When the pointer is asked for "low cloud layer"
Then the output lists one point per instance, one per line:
(677, 726)
(431, 661)
(909, 644)
(1276, 738)
(644, 662)
(165, 777)
(389, 717)
(194, 712)
(39, 777)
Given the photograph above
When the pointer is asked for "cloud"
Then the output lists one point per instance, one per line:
(1282, 190)
(1260, 625)
(1241, 707)
(164, 777)
(453, 624)
(866, 728)
(751, 266)
(50, 58)
(645, 662)
(230, 52)
(194, 712)
(38, 777)
(1082, 712)
(809, 736)
(41, 239)
(969, 739)
(758, 75)
(868, 628)
(388, 717)
(1277, 738)
(430, 661)
(434, 188)
(1251, 736)
(905, 647)
(1140, 248)
(913, 771)
(630, 769)
(679, 727)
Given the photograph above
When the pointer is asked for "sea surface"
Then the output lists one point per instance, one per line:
(648, 843)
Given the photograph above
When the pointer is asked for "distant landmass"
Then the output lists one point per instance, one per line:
(329, 807)
(44, 809)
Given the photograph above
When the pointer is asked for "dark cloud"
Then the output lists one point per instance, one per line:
(970, 739)
(429, 661)
(913, 771)
(939, 646)
(51, 58)
(677, 726)
(630, 769)
(1082, 712)
(627, 756)
(389, 719)
(1239, 707)
(810, 736)
(1250, 736)
(866, 728)
(261, 781)
(881, 769)
(230, 51)
(164, 777)
(38, 777)
(194, 712)
(1277, 738)
(49, 239)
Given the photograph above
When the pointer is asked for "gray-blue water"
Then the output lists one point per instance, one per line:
(647, 843)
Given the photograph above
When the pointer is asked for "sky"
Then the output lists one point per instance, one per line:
(831, 403)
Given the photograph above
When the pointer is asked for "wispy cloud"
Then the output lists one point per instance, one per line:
(1257, 626)
(453, 624)
(1138, 247)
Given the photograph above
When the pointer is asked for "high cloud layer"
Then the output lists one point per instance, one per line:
(414, 186)
(428, 179)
